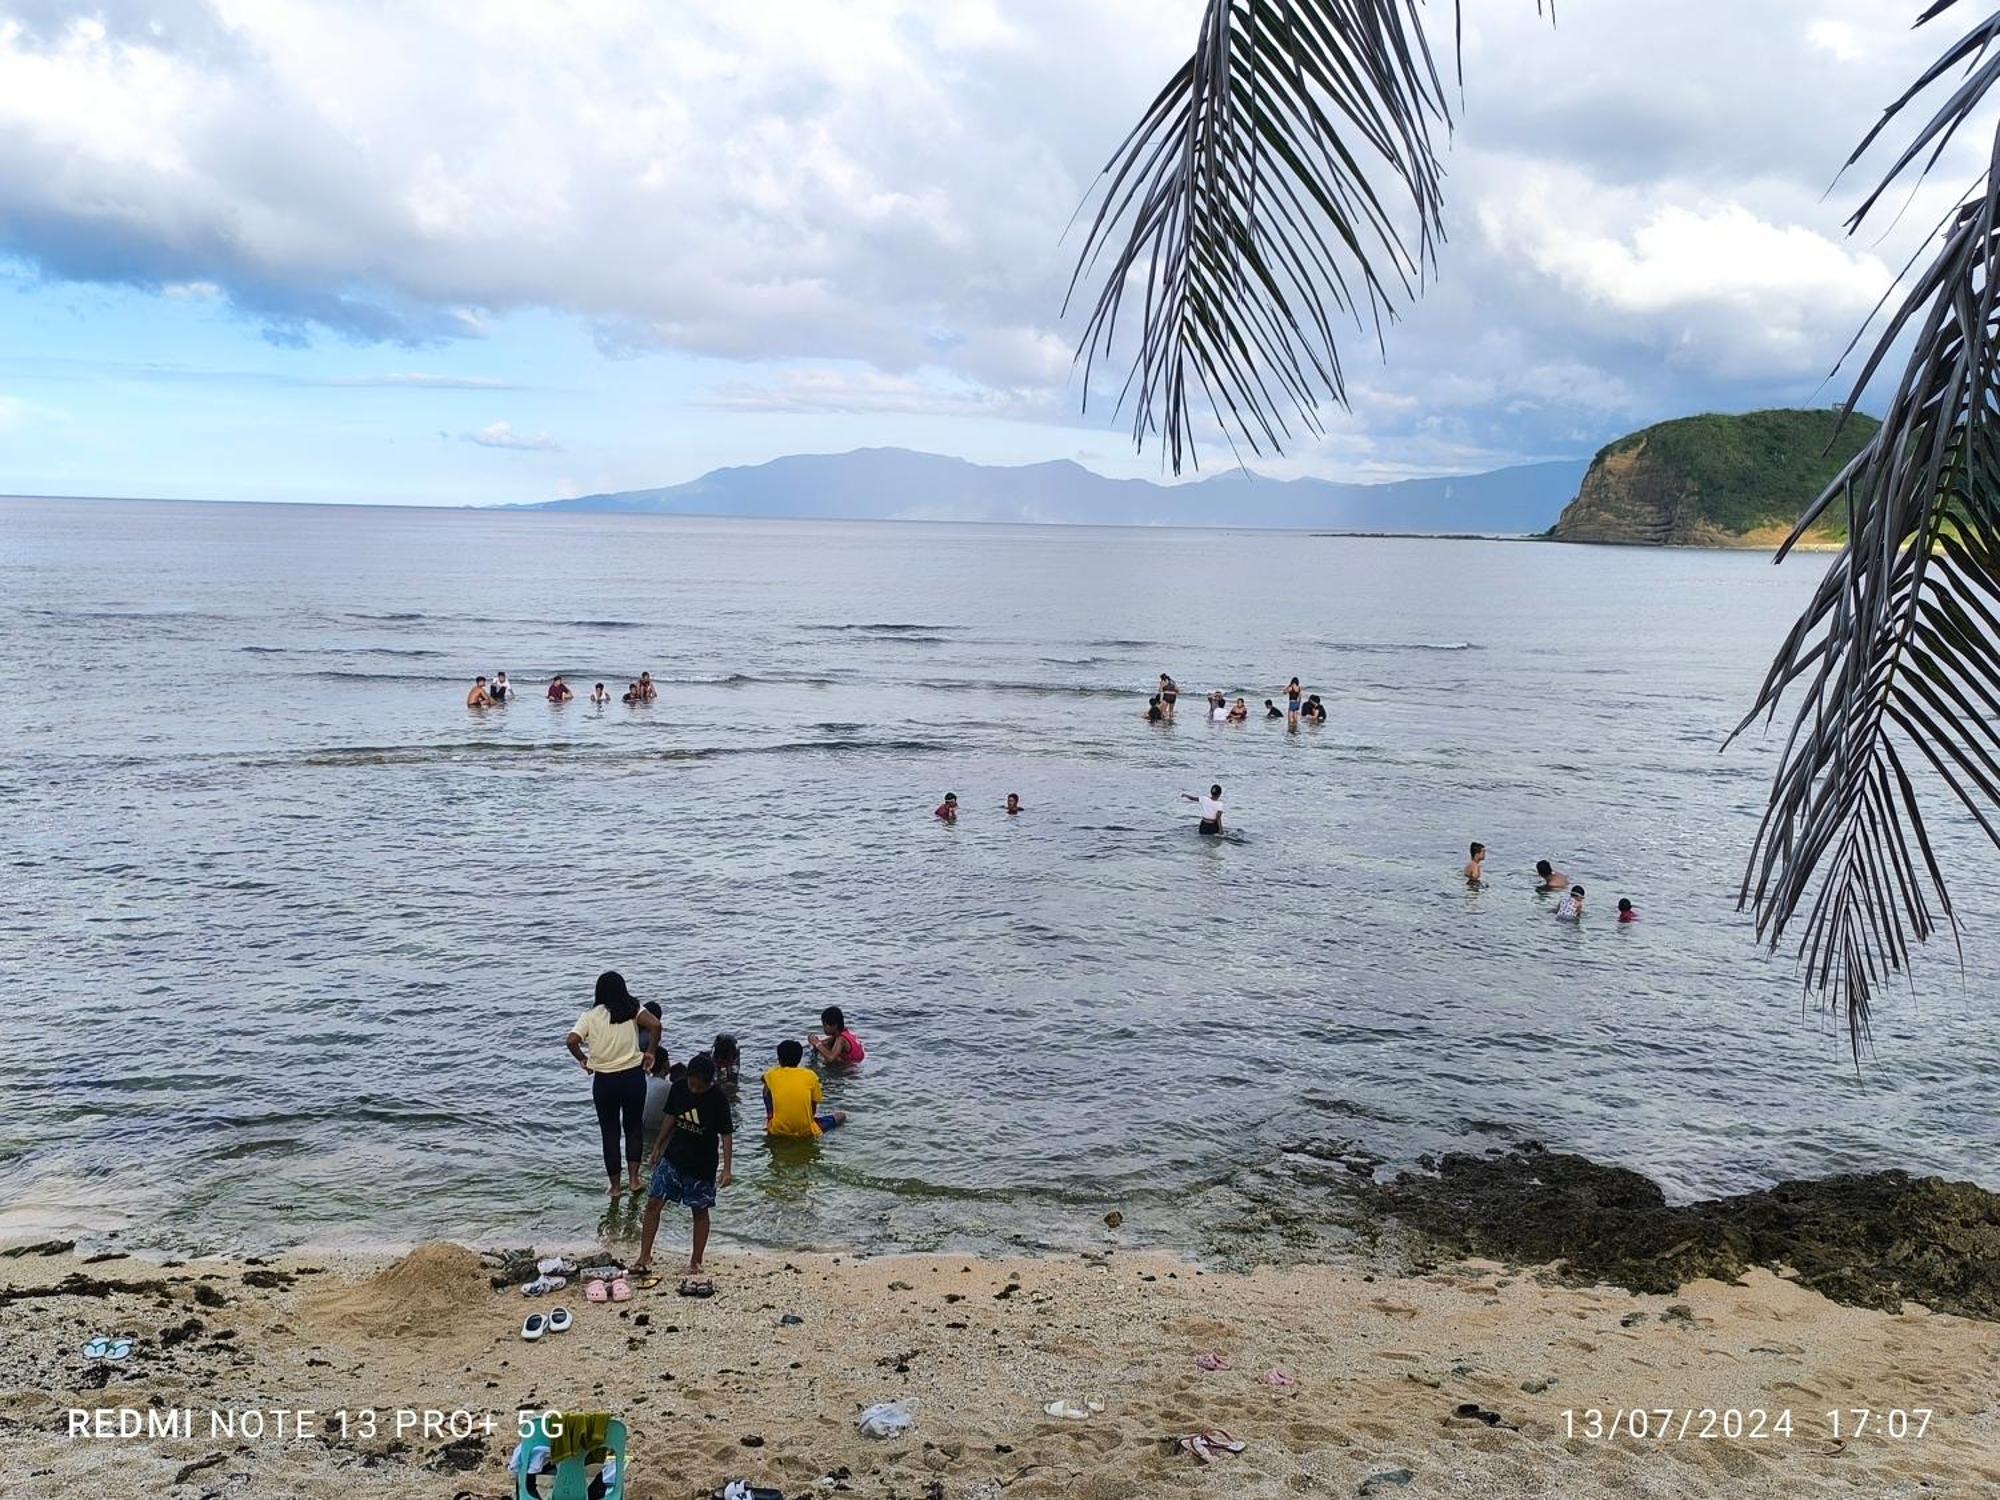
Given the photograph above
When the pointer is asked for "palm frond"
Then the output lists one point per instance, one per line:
(1895, 656)
(1243, 211)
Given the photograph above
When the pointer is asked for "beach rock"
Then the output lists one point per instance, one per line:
(1384, 1479)
(208, 1296)
(45, 1247)
(1114, 1219)
(1867, 1239)
(1536, 1387)
(790, 1320)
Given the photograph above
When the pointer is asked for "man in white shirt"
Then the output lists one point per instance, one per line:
(1211, 809)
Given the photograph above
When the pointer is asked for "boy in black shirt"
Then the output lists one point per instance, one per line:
(697, 1123)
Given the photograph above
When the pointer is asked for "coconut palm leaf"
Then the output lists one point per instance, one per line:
(1243, 213)
(1894, 660)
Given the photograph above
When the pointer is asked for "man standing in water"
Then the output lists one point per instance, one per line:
(1211, 809)
(1475, 867)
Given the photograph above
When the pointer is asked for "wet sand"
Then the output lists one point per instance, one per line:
(722, 1389)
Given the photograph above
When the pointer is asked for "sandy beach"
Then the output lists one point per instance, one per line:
(725, 1388)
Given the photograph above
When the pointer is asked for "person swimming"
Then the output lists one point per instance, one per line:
(947, 810)
(1013, 803)
(1570, 908)
(559, 690)
(1475, 867)
(1314, 711)
(1239, 712)
(599, 695)
(1211, 809)
(1626, 911)
(1272, 711)
(1154, 713)
(633, 696)
(1552, 878)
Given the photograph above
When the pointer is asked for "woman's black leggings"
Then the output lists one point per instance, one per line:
(621, 1101)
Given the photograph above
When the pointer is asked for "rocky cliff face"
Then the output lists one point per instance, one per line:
(1626, 499)
(1713, 480)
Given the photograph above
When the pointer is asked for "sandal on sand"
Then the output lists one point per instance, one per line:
(1208, 1446)
(96, 1348)
(621, 1290)
(560, 1320)
(1210, 1361)
(120, 1349)
(647, 1283)
(541, 1286)
(533, 1326)
(1279, 1380)
(597, 1291)
(697, 1286)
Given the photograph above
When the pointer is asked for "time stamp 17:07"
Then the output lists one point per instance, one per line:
(1674, 1424)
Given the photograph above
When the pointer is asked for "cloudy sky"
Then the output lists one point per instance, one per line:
(397, 251)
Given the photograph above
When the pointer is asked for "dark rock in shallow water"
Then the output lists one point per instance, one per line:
(1867, 1239)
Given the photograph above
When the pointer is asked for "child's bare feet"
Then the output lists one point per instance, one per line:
(616, 1189)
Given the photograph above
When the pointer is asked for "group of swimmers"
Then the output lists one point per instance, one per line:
(1299, 707)
(1549, 880)
(496, 691)
(684, 1109)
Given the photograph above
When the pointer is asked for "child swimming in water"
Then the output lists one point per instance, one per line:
(1570, 908)
(1625, 911)
(728, 1060)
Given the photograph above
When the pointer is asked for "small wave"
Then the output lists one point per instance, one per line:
(1124, 645)
(266, 650)
(1037, 689)
(1397, 646)
(400, 617)
(599, 624)
(339, 674)
(887, 628)
(1075, 661)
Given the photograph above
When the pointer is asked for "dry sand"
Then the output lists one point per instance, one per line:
(719, 1389)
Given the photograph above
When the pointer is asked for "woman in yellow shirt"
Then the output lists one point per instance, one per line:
(614, 1042)
(792, 1097)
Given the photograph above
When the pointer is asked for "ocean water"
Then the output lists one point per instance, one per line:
(290, 938)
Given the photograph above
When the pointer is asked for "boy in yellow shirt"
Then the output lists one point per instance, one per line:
(792, 1098)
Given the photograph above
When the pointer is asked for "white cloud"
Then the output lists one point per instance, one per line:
(503, 435)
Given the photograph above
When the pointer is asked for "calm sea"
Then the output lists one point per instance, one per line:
(290, 938)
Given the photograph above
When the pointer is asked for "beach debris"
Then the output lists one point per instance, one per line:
(1536, 1387)
(1384, 1479)
(555, 1265)
(887, 1419)
(1472, 1411)
(46, 1247)
(188, 1471)
(1279, 1380)
(178, 1333)
(541, 1286)
(751, 1440)
(1211, 1361)
(604, 1272)
(743, 1489)
(1113, 1219)
(790, 1320)
(1207, 1447)
(1633, 1319)
(901, 1286)
(208, 1296)
(1064, 1410)
(1679, 1313)
(1007, 1291)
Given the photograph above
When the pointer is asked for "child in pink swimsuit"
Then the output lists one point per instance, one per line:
(839, 1045)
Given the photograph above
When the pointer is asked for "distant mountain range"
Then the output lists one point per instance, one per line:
(896, 484)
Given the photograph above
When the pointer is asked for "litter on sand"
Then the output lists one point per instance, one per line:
(1210, 1361)
(887, 1419)
(1072, 1411)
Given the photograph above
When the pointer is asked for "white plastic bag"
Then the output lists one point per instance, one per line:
(887, 1419)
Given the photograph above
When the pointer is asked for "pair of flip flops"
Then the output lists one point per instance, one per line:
(111, 1349)
(1210, 1361)
(616, 1290)
(1207, 1447)
(556, 1320)
(542, 1285)
(697, 1286)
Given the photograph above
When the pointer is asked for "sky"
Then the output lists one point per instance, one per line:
(395, 251)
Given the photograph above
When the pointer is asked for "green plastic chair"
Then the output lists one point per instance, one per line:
(570, 1479)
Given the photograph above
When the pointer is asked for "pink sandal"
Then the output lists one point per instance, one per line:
(621, 1290)
(597, 1292)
